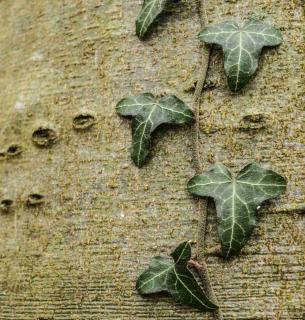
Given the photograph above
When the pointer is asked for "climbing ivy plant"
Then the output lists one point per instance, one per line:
(148, 114)
(242, 47)
(149, 12)
(173, 276)
(237, 200)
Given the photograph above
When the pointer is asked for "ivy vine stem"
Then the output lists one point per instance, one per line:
(201, 204)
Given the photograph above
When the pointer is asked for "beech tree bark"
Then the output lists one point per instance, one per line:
(78, 220)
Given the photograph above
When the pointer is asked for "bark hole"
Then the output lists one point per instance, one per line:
(6, 204)
(83, 121)
(44, 136)
(35, 199)
(14, 150)
(253, 121)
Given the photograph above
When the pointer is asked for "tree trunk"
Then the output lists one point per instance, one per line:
(83, 221)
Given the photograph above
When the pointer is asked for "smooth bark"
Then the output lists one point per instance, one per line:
(77, 254)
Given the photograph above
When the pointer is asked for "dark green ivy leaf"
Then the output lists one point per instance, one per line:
(237, 200)
(241, 46)
(149, 12)
(147, 115)
(172, 275)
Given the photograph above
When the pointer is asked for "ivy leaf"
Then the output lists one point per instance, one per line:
(237, 200)
(242, 47)
(149, 12)
(172, 275)
(147, 115)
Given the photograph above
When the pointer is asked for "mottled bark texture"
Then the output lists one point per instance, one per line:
(75, 254)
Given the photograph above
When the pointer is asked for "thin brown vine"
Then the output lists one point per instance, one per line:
(201, 204)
